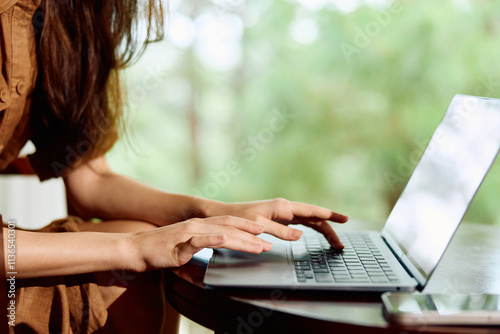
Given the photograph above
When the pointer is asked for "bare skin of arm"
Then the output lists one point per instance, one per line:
(186, 225)
(95, 191)
(53, 254)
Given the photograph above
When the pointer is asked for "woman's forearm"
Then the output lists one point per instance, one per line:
(94, 191)
(42, 254)
(39, 254)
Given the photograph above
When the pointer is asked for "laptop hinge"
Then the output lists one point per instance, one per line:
(404, 260)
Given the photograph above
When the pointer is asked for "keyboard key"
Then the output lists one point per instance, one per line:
(317, 262)
(349, 253)
(335, 261)
(337, 265)
(324, 277)
(343, 277)
(335, 269)
(353, 280)
(364, 252)
(354, 275)
(371, 266)
(302, 267)
(379, 279)
(357, 271)
(354, 266)
(319, 266)
(316, 256)
(352, 261)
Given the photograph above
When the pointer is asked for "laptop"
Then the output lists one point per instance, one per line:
(405, 253)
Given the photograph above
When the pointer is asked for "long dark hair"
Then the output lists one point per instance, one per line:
(82, 46)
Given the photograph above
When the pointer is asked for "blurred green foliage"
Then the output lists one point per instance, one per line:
(338, 119)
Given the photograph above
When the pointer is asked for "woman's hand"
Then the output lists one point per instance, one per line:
(276, 214)
(174, 245)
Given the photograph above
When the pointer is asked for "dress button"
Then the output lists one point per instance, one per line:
(21, 88)
(4, 95)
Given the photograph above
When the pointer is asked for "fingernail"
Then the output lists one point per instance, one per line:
(257, 248)
(295, 234)
(267, 245)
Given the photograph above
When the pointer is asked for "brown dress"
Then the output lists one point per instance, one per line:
(45, 305)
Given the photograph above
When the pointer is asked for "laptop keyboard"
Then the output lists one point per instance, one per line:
(359, 262)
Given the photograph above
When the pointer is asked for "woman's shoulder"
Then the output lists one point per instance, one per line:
(18, 71)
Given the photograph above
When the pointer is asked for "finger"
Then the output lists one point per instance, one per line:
(303, 220)
(197, 242)
(239, 223)
(206, 240)
(288, 233)
(243, 246)
(338, 218)
(233, 233)
(280, 230)
(313, 211)
(327, 230)
(240, 240)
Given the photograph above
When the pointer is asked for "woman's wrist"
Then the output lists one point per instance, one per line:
(174, 208)
(205, 208)
(131, 257)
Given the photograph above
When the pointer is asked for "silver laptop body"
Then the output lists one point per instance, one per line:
(416, 234)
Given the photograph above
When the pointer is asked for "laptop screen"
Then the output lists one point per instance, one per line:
(445, 180)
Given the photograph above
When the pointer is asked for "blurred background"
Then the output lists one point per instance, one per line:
(329, 102)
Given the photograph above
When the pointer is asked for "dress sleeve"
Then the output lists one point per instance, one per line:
(5, 4)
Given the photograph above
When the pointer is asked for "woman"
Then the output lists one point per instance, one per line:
(59, 88)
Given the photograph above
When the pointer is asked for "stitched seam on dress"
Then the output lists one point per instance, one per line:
(7, 111)
(7, 6)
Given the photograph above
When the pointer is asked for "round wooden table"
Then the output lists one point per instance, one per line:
(471, 264)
